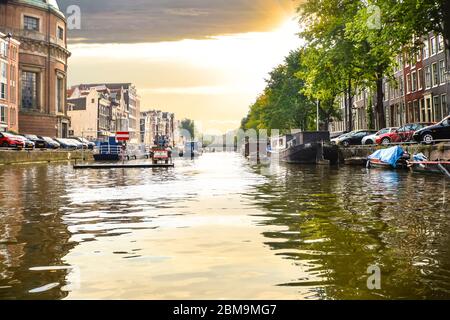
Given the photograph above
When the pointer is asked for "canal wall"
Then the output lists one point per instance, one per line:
(433, 152)
(8, 157)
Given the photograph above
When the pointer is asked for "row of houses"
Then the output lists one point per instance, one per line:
(97, 111)
(156, 125)
(417, 91)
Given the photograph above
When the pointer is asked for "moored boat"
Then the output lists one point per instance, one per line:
(420, 163)
(305, 148)
(439, 167)
(390, 158)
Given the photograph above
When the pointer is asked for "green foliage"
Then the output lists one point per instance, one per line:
(189, 126)
(283, 105)
(349, 45)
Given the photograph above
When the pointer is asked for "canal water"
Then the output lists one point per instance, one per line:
(221, 228)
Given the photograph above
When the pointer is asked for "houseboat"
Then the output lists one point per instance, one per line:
(312, 147)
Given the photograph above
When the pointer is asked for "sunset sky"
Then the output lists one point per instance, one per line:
(202, 59)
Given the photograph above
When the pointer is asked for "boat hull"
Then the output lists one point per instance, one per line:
(375, 163)
(429, 166)
(311, 153)
(106, 157)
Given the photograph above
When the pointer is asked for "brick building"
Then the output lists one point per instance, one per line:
(40, 27)
(9, 89)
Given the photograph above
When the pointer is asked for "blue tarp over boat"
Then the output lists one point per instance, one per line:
(389, 156)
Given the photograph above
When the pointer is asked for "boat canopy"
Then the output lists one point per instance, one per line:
(389, 156)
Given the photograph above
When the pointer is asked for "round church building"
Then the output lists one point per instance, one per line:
(41, 29)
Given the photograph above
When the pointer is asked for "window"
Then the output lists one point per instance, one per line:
(442, 71)
(30, 23)
(435, 72)
(420, 79)
(433, 46)
(3, 114)
(60, 94)
(408, 83)
(426, 49)
(414, 82)
(427, 77)
(60, 33)
(3, 91)
(29, 90)
(4, 48)
(441, 43)
(3, 80)
(437, 109)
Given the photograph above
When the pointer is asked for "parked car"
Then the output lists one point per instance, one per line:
(38, 142)
(8, 140)
(80, 145)
(402, 134)
(354, 137)
(90, 145)
(66, 144)
(368, 140)
(336, 139)
(335, 135)
(440, 131)
(50, 143)
(28, 144)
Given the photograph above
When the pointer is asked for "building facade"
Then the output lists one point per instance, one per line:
(156, 124)
(9, 88)
(126, 103)
(417, 91)
(40, 27)
(91, 113)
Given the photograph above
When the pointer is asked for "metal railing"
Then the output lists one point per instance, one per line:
(110, 149)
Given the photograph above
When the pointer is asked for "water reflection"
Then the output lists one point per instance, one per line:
(219, 228)
(338, 222)
(32, 232)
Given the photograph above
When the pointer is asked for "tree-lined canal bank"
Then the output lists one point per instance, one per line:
(218, 227)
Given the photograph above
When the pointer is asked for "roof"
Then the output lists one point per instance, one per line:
(43, 4)
(78, 104)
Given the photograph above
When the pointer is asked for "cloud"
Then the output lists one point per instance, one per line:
(133, 21)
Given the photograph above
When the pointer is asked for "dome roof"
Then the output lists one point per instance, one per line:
(45, 4)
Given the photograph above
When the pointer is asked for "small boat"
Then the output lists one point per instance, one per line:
(390, 158)
(420, 163)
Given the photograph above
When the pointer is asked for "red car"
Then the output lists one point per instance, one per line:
(8, 140)
(402, 134)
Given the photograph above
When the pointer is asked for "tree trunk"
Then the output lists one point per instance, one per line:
(446, 31)
(345, 112)
(350, 105)
(380, 116)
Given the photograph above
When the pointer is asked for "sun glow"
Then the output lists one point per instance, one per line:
(211, 80)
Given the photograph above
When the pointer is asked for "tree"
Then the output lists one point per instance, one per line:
(282, 105)
(335, 65)
(189, 126)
